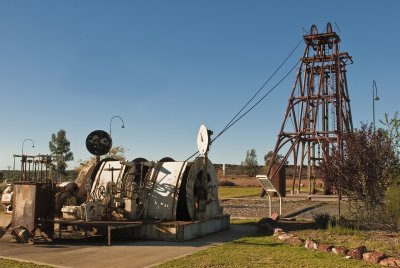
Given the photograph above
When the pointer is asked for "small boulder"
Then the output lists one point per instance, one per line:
(311, 244)
(275, 216)
(340, 250)
(325, 248)
(373, 257)
(289, 219)
(295, 241)
(390, 262)
(357, 253)
(277, 231)
(284, 236)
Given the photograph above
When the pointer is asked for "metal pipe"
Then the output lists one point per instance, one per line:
(13, 169)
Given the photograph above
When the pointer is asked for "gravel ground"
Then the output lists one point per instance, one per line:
(259, 208)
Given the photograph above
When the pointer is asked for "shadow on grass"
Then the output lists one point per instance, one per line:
(296, 225)
(247, 243)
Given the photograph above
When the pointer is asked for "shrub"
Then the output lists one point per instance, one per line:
(342, 226)
(322, 220)
(341, 230)
(392, 205)
(364, 168)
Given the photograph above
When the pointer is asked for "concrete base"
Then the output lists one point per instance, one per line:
(165, 231)
(179, 230)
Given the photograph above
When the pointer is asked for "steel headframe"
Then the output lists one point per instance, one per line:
(318, 112)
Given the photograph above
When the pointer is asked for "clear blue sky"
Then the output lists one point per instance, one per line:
(166, 67)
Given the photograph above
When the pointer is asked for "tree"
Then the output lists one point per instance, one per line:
(60, 148)
(116, 152)
(268, 156)
(392, 197)
(250, 164)
(365, 168)
(393, 129)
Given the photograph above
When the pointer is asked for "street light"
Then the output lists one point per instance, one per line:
(23, 143)
(123, 125)
(374, 98)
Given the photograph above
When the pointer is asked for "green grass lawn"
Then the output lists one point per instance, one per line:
(237, 191)
(5, 263)
(373, 240)
(3, 187)
(262, 251)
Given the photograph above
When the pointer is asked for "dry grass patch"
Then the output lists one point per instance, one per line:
(238, 192)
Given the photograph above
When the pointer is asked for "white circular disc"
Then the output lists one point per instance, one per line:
(203, 140)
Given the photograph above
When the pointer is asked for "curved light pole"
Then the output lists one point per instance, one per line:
(122, 120)
(374, 98)
(23, 143)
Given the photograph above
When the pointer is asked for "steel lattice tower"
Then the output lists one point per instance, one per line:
(318, 112)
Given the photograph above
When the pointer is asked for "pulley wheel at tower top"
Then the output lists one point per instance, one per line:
(98, 142)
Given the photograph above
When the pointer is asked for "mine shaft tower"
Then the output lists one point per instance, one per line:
(318, 112)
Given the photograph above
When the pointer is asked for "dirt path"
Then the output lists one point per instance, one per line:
(259, 208)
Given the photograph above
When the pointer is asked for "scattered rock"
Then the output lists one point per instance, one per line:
(295, 241)
(275, 216)
(325, 248)
(357, 253)
(340, 250)
(284, 236)
(390, 262)
(289, 219)
(311, 244)
(277, 231)
(373, 257)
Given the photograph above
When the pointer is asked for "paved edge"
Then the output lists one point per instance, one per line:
(189, 254)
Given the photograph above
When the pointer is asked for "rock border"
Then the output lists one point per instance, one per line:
(358, 253)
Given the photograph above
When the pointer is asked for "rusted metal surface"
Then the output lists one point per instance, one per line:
(154, 230)
(34, 168)
(194, 195)
(31, 202)
(318, 112)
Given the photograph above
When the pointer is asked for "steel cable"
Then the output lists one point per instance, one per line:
(236, 118)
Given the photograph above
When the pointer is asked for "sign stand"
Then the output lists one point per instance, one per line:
(269, 188)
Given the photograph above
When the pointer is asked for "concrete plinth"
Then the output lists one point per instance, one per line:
(181, 230)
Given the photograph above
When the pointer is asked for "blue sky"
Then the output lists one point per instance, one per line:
(166, 67)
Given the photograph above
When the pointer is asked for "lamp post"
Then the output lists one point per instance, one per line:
(374, 98)
(123, 125)
(23, 143)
